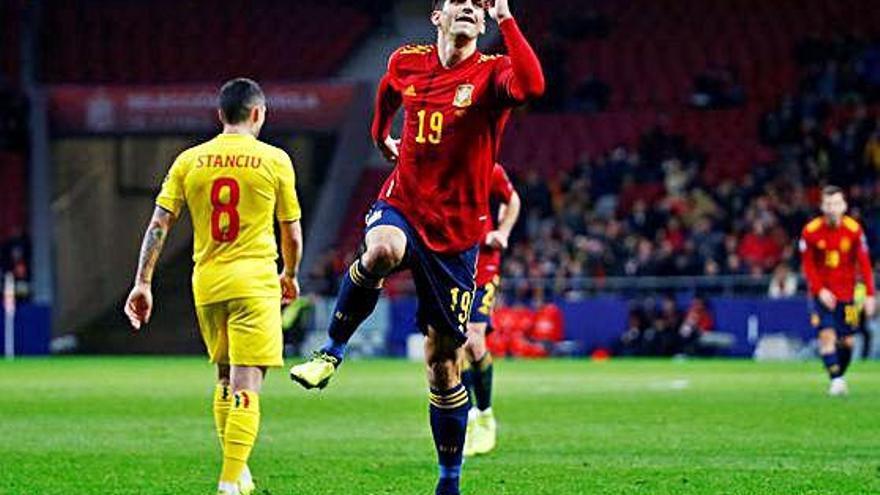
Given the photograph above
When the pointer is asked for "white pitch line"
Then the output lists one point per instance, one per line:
(680, 384)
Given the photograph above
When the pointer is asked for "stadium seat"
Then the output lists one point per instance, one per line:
(123, 42)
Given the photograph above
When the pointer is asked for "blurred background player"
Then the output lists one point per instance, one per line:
(233, 186)
(430, 215)
(477, 370)
(863, 328)
(833, 251)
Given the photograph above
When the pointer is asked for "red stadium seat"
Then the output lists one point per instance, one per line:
(170, 41)
(549, 325)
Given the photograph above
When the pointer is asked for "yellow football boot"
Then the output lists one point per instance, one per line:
(316, 372)
(485, 432)
(469, 435)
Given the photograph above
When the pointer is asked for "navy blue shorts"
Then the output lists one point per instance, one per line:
(844, 319)
(484, 302)
(444, 283)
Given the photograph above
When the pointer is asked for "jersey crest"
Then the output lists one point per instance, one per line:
(463, 96)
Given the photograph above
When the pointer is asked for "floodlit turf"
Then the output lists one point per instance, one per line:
(143, 426)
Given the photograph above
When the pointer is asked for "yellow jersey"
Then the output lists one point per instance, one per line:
(234, 186)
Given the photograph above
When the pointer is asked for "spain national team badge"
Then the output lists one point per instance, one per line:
(845, 244)
(464, 96)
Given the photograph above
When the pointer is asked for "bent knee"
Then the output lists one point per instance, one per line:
(827, 340)
(476, 344)
(443, 373)
(382, 257)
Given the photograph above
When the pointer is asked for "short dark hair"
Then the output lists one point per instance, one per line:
(438, 4)
(831, 190)
(238, 97)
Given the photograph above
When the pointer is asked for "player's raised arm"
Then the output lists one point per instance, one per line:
(524, 80)
(388, 101)
(139, 305)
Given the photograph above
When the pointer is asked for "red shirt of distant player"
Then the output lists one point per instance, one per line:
(454, 118)
(832, 255)
(489, 260)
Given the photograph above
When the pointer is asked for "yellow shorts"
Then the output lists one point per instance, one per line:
(243, 332)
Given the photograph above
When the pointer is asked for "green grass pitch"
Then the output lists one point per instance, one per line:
(143, 426)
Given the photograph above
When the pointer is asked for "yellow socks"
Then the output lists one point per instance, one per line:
(242, 425)
(222, 403)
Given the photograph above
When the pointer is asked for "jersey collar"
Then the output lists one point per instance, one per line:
(471, 60)
(229, 135)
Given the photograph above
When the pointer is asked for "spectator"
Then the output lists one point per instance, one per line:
(16, 259)
(783, 284)
(660, 338)
(758, 249)
(630, 342)
(698, 320)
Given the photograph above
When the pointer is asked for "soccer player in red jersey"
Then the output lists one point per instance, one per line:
(430, 214)
(833, 252)
(477, 373)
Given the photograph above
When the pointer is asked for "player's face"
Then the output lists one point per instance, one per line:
(834, 207)
(466, 18)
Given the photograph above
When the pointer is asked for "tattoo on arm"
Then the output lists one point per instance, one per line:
(154, 241)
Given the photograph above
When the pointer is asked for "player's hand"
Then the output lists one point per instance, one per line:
(870, 306)
(389, 149)
(289, 288)
(497, 239)
(498, 9)
(139, 305)
(826, 297)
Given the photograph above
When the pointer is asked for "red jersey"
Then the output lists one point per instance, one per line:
(489, 258)
(831, 257)
(453, 122)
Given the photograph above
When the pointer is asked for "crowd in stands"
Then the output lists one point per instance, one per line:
(655, 210)
(661, 329)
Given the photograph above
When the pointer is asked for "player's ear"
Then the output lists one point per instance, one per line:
(257, 114)
(435, 18)
(220, 116)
